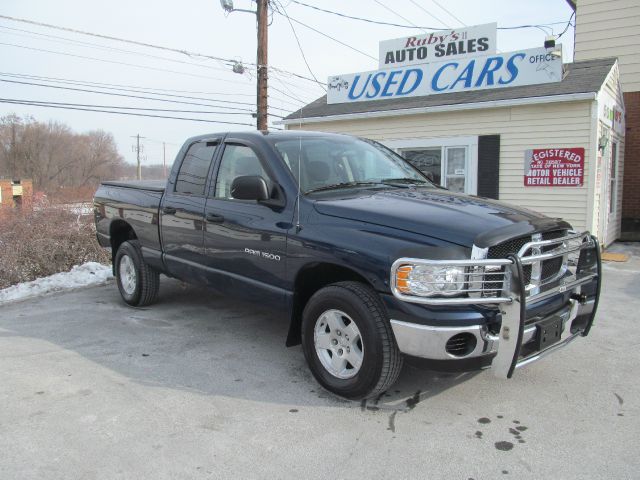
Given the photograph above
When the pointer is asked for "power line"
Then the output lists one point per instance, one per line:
(396, 13)
(432, 15)
(36, 104)
(351, 17)
(390, 24)
(138, 89)
(568, 23)
(190, 54)
(123, 95)
(450, 14)
(117, 107)
(116, 62)
(332, 38)
(64, 40)
(116, 87)
(122, 63)
(88, 82)
(298, 42)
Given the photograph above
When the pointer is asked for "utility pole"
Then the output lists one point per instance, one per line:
(164, 160)
(262, 61)
(262, 14)
(138, 148)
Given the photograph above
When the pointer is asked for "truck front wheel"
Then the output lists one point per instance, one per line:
(138, 282)
(348, 342)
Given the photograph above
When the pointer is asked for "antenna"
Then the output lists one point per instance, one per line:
(298, 227)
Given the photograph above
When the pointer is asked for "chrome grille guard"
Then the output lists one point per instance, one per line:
(501, 282)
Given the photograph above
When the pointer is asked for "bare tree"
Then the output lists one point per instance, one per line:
(54, 156)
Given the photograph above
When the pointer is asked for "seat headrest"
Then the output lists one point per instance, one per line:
(318, 171)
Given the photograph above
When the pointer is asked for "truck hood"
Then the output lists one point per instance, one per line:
(457, 218)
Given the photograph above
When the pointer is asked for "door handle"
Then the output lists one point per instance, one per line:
(169, 210)
(212, 218)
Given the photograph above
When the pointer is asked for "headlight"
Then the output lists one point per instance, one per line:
(429, 280)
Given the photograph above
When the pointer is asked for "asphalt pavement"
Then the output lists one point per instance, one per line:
(201, 386)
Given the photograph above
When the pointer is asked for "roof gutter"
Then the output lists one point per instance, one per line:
(570, 97)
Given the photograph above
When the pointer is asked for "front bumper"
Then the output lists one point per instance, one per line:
(519, 339)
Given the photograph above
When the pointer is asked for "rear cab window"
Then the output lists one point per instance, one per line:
(192, 176)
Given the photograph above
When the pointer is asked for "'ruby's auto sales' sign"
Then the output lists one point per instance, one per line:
(554, 167)
(523, 67)
(438, 46)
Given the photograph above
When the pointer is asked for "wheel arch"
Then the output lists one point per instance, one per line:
(120, 231)
(309, 280)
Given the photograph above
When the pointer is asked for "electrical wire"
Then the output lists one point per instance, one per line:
(144, 90)
(42, 104)
(69, 41)
(117, 62)
(390, 24)
(332, 38)
(117, 87)
(228, 61)
(568, 24)
(229, 108)
(87, 82)
(118, 107)
(298, 42)
(397, 14)
(449, 12)
(126, 95)
(430, 14)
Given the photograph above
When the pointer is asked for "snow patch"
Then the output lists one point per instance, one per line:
(90, 273)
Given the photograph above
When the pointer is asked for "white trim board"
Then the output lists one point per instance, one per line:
(571, 97)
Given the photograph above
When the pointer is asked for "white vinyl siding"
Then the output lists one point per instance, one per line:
(562, 124)
(610, 95)
(611, 28)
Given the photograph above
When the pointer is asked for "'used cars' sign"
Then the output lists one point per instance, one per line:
(524, 67)
(438, 46)
(554, 167)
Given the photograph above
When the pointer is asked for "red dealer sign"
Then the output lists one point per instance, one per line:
(554, 167)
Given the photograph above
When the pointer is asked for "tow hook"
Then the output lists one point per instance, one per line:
(581, 298)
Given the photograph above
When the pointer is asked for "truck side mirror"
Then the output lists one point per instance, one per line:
(249, 187)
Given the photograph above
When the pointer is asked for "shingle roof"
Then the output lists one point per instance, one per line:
(581, 77)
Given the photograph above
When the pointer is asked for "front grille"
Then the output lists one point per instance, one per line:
(550, 268)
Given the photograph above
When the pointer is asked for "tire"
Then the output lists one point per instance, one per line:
(138, 282)
(333, 356)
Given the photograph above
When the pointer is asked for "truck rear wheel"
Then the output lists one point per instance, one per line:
(348, 342)
(138, 282)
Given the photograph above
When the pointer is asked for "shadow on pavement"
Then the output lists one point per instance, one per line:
(195, 340)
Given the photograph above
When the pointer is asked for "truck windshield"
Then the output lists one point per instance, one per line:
(325, 163)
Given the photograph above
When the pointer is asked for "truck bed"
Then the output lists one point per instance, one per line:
(135, 202)
(152, 185)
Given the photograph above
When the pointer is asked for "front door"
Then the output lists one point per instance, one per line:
(244, 241)
(611, 193)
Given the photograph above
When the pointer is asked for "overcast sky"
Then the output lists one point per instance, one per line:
(202, 26)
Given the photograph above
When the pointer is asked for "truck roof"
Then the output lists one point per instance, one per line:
(272, 135)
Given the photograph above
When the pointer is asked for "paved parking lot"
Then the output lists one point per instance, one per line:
(199, 386)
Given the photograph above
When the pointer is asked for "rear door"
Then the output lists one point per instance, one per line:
(182, 211)
(244, 240)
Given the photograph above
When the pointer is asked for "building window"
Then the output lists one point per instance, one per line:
(451, 163)
(428, 161)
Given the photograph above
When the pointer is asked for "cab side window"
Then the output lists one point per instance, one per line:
(192, 176)
(237, 161)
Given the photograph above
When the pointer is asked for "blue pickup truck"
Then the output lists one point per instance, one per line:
(371, 262)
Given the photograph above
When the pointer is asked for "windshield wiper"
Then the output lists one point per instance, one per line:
(417, 181)
(342, 185)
